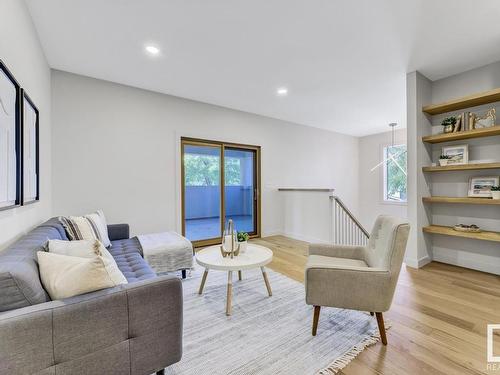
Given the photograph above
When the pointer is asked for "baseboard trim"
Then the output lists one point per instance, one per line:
(301, 237)
(417, 263)
(272, 233)
(468, 263)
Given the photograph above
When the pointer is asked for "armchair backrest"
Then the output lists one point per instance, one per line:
(387, 244)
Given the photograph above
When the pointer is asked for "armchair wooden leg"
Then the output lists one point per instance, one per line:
(381, 327)
(317, 310)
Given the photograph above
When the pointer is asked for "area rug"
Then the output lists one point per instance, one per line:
(265, 335)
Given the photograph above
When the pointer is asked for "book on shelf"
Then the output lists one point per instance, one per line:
(466, 124)
(458, 124)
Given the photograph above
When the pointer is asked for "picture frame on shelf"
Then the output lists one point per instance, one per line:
(10, 135)
(480, 186)
(30, 126)
(458, 154)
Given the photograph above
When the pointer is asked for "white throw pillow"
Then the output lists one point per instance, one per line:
(65, 276)
(89, 249)
(88, 227)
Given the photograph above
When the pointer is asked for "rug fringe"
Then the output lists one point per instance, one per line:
(343, 361)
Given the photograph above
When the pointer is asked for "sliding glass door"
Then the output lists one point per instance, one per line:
(240, 188)
(206, 207)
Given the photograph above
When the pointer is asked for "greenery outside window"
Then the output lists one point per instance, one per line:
(203, 170)
(395, 174)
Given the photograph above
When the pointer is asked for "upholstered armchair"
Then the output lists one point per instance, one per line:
(358, 278)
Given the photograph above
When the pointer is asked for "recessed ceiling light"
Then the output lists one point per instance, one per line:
(152, 50)
(282, 91)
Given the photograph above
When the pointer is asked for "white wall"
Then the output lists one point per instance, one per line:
(20, 50)
(117, 148)
(371, 189)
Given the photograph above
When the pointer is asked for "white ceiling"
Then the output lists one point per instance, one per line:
(343, 61)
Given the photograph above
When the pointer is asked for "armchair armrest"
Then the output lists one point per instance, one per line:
(134, 328)
(338, 251)
(118, 232)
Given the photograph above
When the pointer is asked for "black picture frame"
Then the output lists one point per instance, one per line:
(25, 96)
(11, 77)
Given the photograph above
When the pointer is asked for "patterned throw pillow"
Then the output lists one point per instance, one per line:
(87, 227)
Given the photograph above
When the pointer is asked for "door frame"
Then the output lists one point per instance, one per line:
(257, 184)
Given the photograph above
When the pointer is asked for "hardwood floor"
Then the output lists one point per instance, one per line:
(438, 317)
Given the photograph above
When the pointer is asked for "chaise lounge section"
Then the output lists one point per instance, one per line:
(134, 328)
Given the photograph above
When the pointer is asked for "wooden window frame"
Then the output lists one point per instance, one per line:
(257, 184)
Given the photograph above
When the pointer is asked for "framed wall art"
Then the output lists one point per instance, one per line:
(10, 139)
(30, 150)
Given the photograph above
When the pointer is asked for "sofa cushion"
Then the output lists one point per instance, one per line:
(128, 257)
(20, 283)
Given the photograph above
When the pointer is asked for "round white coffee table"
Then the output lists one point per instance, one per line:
(255, 256)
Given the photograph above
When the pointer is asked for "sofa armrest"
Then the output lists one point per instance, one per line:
(134, 328)
(118, 232)
(338, 251)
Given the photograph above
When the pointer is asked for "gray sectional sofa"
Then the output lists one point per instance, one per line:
(131, 329)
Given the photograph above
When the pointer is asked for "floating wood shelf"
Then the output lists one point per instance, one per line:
(462, 167)
(465, 102)
(462, 200)
(469, 134)
(449, 231)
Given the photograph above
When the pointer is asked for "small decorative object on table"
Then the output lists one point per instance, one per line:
(230, 246)
(243, 241)
(443, 160)
(482, 186)
(467, 228)
(485, 121)
(457, 154)
(449, 124)
(495, 192)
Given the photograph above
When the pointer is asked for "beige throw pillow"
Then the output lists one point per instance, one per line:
(89, 249)
(75, 267)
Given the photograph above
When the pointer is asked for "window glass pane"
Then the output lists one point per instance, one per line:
(202, 192)
(239, 188)
(395, 179)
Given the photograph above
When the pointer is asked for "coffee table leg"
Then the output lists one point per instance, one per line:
(229, 292)
(204, 278)
(266, 280)
(239, 275)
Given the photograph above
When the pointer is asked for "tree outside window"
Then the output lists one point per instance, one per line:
(204, 170)
(395, 173)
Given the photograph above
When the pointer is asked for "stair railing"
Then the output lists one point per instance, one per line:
(346, 229)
